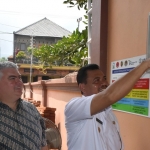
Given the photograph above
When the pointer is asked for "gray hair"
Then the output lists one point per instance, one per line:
(7, 64)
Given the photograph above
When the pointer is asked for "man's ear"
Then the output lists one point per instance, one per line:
(82, 87)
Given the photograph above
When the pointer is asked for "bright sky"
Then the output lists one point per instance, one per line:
(17, 14)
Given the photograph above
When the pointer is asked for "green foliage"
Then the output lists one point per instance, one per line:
(20, 55)
(79, 3)
(3, 59)
(68, 50)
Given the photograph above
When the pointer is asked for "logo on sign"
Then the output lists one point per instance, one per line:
(121, 64)
(113, 65)
(117, 64)
(141, 60)
(126, 63)
(132, 62)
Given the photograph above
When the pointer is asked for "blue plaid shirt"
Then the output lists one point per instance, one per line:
(23, 129)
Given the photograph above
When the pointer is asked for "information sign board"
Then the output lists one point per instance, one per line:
(137, 100)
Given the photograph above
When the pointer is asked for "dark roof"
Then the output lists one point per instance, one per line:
(44, 27)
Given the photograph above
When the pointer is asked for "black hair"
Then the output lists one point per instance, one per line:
(82, 72)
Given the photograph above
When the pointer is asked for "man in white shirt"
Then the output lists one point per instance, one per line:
(90, 122)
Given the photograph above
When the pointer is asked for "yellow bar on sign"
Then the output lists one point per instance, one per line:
(140, 94)
(128, 95)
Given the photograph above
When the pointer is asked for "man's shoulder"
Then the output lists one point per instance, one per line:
(26, 103)
(72, 102)
(75, 99)
(79, 99)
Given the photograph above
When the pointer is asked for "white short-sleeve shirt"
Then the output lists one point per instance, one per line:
(86, 132)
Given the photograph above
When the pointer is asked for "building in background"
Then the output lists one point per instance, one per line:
(43, 32)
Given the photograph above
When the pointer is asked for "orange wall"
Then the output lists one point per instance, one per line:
(37, 90)
(58, 99)
(59, 92)
(127, 28)
(127, 37)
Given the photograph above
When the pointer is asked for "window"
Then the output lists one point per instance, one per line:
(28, 70)
(51, 71)
(23, 46)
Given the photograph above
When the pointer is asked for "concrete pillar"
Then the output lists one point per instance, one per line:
(99, 33)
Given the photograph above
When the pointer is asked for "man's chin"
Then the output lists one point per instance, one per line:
(19, 93)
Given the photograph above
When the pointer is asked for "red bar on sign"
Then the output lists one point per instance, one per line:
(142, 84)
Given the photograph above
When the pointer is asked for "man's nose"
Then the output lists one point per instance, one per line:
(104, 85)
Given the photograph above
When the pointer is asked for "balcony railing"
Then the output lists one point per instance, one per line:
(26, 61)
(35, 61)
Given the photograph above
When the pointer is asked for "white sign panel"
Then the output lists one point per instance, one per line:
(137, 100)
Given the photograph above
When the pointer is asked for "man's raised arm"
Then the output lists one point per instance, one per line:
(118, 89)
